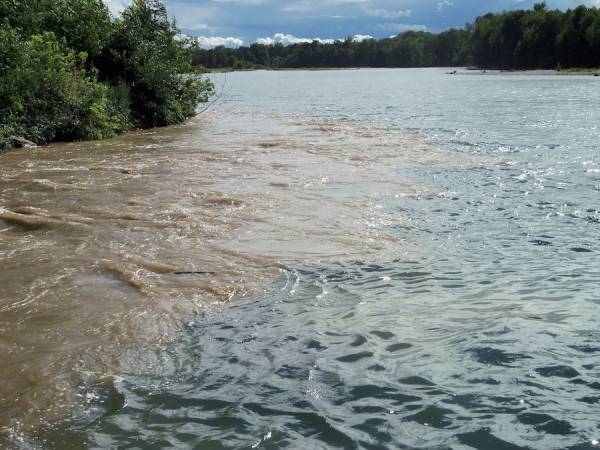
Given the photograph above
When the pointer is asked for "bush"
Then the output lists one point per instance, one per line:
(48, 95)
(68, 73)
(146, 53)
(119, 106)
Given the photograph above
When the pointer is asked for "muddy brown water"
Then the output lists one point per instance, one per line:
(104, 245)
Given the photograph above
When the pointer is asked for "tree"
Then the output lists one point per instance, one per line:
(147, 54)
(70, 72)
(82, 25)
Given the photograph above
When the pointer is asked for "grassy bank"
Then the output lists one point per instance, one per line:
(578, 71)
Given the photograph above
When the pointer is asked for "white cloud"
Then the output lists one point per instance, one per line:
(389, 14)
(198, 26)
(400, 27)
(216, 41)
(188, 17)
(192, 17)
(444, 4)
(316, 5)
(362, 37)
(288, 39)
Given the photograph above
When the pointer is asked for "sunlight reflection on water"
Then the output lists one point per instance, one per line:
(476, 329)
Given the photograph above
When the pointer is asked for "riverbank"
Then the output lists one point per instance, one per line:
(535, 72)
(282, 69)
(450, 71)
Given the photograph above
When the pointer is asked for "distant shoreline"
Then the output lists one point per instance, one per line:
(286, 69)
(450, 70)
(588, 72)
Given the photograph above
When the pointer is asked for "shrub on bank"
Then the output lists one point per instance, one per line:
(145, 52)
(46, 94)
(68, 85)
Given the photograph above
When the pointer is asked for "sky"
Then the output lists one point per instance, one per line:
(242, 22)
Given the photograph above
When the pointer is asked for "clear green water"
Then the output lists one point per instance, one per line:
(481, 333)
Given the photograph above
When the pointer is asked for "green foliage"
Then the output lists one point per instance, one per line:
(83, 25)
(46, 93)
(70, 72)
(524, 39)
(145, 54)
(538, 39)
(410, 49)
(118, 106)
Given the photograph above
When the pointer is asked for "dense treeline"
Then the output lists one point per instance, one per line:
(537, 38)
(410, 49)
(70, 71)
(524, 39)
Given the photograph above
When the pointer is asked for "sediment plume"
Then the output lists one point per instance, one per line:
(108, 245)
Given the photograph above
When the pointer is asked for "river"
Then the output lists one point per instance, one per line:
(332, 259)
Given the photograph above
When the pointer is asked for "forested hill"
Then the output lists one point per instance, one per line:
(523, 39)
